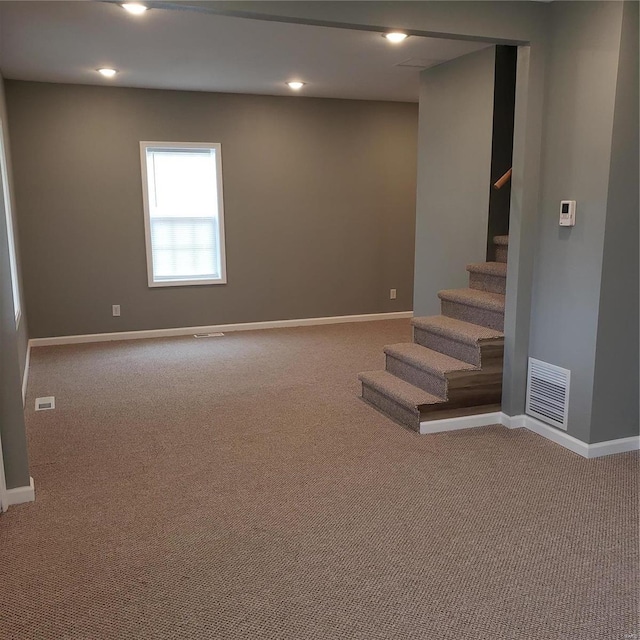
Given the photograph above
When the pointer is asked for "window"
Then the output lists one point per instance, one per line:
(13, 261)
(183, 208)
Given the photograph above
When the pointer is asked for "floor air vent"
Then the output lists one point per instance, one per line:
(208, 335)
(43, 404)
(548, 393)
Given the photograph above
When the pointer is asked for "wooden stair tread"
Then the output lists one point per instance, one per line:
(474, 298)
(402, 392)
(459, 330)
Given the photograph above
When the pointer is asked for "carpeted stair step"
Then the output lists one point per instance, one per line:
(478, 307)
(456, 338)
(422, 367)
(488, 276)
(454, 365)
(502, 248)
(395, 397)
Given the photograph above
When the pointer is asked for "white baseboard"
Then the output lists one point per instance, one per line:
(609, 447)
(25, 375)
(464, 422)
(621, 445)
(596, 450)
(215, 328)
(512, 422)
(18, 495)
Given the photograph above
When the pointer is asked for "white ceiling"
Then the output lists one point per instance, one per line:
(180, 49)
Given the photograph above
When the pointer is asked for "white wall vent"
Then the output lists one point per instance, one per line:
(208, 335)
(44, 404)
(548, 393)
(418, 63)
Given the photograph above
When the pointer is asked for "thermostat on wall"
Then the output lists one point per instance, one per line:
(568, 213)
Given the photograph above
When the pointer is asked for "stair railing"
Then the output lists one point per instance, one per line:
(498, 184)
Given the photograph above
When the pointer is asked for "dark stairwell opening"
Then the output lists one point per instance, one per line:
(504, 100)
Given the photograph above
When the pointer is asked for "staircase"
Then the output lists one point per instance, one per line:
(453, 367)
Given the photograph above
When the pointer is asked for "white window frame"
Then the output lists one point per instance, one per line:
(11, 240)
(147, 219)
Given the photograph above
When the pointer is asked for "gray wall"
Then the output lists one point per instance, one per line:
(567, 81)
(580, 98)
(12, 353)
(319, 205)
(496, 22)
(615, 391)
(588, 68)
(454, 174)
(23, 334)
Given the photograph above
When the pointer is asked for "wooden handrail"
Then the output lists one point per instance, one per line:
(502, 181)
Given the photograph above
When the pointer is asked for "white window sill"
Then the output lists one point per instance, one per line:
(186, 283)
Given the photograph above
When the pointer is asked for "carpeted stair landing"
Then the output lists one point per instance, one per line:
(453, 367)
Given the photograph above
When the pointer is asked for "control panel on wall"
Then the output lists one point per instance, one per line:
(568, 213)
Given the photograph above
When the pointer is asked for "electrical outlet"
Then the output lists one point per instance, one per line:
(392, 294)
(115, 310)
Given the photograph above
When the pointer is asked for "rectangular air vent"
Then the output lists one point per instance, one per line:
(548, 393)
(418, 63)
(43, 404)
(208, 335)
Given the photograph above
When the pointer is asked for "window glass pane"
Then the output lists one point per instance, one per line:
(184, 248)
(182, 183)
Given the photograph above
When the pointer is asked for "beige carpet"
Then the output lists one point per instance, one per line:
(237, 488)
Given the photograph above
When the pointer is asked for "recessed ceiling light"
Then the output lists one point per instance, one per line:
(136, 8)
(396, 36)
(107, 72)
(296, 85)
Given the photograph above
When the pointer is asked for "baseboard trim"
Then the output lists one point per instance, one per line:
(610, 447)
(18, 495)
(512, 422)
(595, 450)
(25, 375)
(215, 328)
(463, 422)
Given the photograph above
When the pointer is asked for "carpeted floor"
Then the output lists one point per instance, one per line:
(238, 488)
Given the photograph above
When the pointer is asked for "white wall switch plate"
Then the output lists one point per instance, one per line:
(115, 309)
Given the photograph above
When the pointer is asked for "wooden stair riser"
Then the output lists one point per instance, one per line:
(458, 388)
(458, 350)
(444, 413)
(487, 282)
(491, 353)
(482, 386)
(501, 253)
(471, 389)
(475, 315)
(391, 408)
(417, 377)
